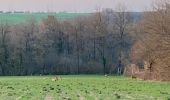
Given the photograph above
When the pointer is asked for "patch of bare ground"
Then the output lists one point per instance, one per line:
(48, 97)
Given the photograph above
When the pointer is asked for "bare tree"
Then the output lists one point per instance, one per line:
(4, 54)
(101, 30)
(121, 22)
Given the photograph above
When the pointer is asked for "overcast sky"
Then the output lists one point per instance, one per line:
(70, 5)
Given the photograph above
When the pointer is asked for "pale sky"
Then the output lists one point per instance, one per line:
(70, 5)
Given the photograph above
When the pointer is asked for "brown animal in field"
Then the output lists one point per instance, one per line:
(133, 77)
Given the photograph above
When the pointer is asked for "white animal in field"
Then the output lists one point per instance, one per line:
(56, 78)
(106, 75)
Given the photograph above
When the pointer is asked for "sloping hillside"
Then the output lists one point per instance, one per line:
(22, 17)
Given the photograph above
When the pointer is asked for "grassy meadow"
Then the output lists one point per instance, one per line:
(81, 87)
(23, 17)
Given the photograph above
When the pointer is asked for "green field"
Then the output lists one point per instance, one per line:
(81, 88)
(23, 17)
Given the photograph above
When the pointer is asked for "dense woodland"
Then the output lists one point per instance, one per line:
(104, 42)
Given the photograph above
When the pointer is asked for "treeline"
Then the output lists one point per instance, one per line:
(104, 42)
(99, 43)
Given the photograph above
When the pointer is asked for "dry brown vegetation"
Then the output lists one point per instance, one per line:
(153, 44)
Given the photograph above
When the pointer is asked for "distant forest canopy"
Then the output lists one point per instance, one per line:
(91, 44)
(104, 42)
